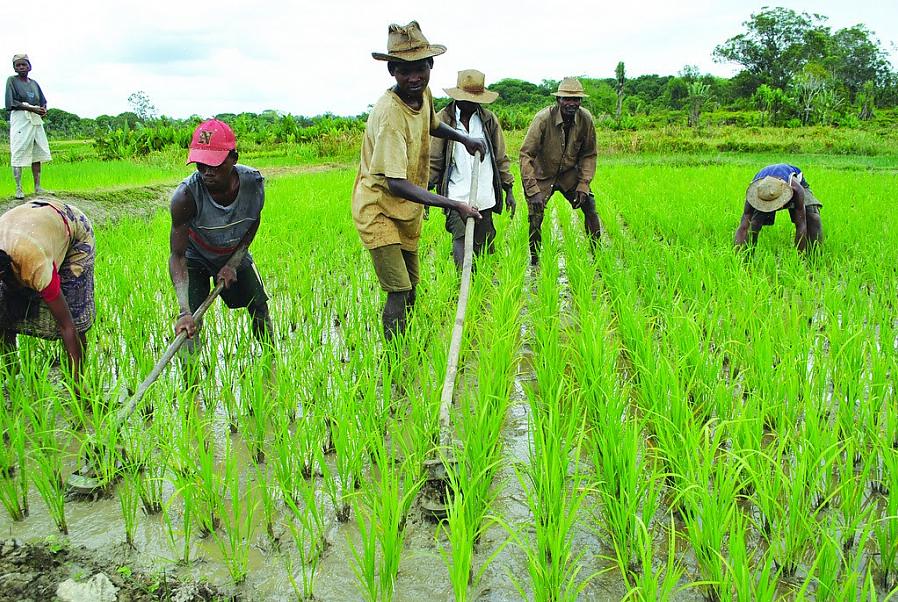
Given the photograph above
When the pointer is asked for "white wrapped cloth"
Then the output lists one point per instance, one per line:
(27, 139)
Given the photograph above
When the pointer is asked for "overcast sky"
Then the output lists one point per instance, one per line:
(314, 57)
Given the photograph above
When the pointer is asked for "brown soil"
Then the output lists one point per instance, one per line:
(33, 571)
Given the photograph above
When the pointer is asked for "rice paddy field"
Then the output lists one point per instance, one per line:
(663, 419)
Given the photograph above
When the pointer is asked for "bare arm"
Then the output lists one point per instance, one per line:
(408, 191)
(472, 145)
(71, 340)
(801, 222)
(182, 210)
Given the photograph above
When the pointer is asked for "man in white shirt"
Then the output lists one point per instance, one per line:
(450, 166)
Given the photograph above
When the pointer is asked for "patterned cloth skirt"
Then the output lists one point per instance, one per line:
(76, 275)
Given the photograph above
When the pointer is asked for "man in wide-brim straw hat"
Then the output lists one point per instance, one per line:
(27, 108)
(451, 166)
(559, 153)
(774, 188)
(389, 194)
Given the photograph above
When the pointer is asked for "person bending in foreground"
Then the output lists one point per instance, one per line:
(47, 278)
(450, 165)
(389, 195)
(559, 153)
(27, 107)
(774, 188)
(215, 211)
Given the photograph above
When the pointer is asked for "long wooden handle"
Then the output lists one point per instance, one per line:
(169, 353)
(461, 309)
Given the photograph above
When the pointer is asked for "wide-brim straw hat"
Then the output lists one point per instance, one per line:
(470, 87)
(570, 87)
(407, 43)
(768, 194)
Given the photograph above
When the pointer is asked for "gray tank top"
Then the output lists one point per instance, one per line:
(215, 231)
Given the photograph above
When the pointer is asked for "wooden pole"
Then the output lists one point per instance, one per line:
(461, 309)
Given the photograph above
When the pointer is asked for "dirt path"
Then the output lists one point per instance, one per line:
(105, 206)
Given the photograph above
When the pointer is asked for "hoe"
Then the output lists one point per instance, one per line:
(437, 468)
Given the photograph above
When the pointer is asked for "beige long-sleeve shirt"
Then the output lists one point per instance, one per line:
(549, 158)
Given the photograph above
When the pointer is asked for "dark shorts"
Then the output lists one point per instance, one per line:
(396, 268)
(78, 291)
(247, 292)
(484, 230)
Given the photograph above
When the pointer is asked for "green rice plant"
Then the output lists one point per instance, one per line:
(238, 520)
(389, 498)
(185, 490)
(851, 491)
(886, 527)
(288, 465)
(364, 553)
(349, 450)
(13, 463)
(128, 493)
(555, 492)
(47, 459)
(650, 583)
(826, 568)
(308, 537)
(709, 505)
(267, 500)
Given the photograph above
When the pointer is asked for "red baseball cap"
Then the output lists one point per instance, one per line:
(211, 143)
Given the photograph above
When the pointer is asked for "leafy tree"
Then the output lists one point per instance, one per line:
(777, 43)
(698, 96)
(857, 57)
(142, 106)
(621, 78)
(867, 101)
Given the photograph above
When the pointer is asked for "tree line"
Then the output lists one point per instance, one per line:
(795, 70)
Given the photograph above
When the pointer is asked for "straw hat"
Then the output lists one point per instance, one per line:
(768, 194)
(470, 87)
(407, 43)
(570, 87)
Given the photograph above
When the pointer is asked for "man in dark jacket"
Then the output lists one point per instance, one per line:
(559, 154)
(450, 164)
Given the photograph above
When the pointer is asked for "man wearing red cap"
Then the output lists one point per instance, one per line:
(390, 193)
(214, 212)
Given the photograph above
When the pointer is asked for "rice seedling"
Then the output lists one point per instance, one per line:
(46, 457)
(13, 463)
(649, 583)
(238, 521)
(308, 537)
(886, 529)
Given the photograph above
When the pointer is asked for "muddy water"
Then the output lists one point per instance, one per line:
(422, 573)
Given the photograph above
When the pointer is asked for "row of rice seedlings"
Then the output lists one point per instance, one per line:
(13, 462)
(238, 519)
(47, 457)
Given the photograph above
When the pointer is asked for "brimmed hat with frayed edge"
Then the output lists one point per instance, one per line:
(768, 194)
(407, 43)
(570, 87)
(471, 87)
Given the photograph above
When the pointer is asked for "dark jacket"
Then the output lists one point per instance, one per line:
(441, 154)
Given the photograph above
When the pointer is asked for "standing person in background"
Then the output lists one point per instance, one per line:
(389, 194)
(46, 278)
(214, 213)
(559, 153)
(774, 188)
(450, 164)
(27, 107)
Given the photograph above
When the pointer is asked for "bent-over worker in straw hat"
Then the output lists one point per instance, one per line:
(389, 192)
(559, 154)
(215, 212)
(774, 188)
(47, 277)
(27, 107)
(450, 164)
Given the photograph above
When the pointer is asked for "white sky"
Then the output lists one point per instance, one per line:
(313, 57)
